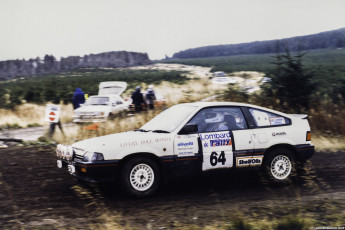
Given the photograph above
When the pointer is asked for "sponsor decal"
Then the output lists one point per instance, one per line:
(128, 144)
(213, 136)
(248, 161)
(144, 142)
(277, 120)
(162, 139)
(218, 139)
(224, 142)
(184, 144)
(279, 134)
(186, 147)
(189, 153)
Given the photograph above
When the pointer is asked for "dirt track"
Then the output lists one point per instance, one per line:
(34, 193)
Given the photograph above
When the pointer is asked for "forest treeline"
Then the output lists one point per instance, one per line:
(329, 39)
(49, 64)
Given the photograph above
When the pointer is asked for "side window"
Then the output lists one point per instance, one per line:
(219, 119)
(263, 118)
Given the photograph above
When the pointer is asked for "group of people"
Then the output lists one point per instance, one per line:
(138, 98)
(139, 101)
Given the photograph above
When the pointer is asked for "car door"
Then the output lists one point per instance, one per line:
(187, 153)
(224, 137)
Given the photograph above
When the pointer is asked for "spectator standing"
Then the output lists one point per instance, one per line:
(53, 112)
(150, 97)
(78, 98)
(138, 99)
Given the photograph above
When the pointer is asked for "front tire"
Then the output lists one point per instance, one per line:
(140, 177)
(280, 166)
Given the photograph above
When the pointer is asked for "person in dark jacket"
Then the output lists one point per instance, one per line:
(150, 97)
(138, 99)
(78, 98)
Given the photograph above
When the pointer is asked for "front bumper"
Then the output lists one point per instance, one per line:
(89, 119)
(101, 171)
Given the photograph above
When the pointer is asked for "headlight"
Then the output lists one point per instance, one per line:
(99, 113)
(64, 152)
(58, 150)
(90, 157)
(69, 153)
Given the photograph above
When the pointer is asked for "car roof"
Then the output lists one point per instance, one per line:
(211, 104)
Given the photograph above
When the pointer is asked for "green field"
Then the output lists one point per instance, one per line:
(58, 87)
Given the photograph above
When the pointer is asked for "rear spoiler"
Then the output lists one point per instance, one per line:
(302, 116)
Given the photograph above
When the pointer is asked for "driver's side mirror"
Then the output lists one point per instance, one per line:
(189, 129)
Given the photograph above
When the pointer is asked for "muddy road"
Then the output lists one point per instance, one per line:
(34, 193)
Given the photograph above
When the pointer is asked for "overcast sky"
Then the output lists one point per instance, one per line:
(159, 27)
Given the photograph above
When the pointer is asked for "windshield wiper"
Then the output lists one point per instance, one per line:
(142, 130)
(160, 131)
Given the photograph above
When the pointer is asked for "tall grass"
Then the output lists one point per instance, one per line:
(28, 115)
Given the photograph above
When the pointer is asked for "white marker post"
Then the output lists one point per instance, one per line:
(52, 113)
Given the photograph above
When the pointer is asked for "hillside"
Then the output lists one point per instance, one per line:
(25, 68)
(325, 59)
(329, 39)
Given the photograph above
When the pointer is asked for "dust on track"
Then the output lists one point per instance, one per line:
(34, 193)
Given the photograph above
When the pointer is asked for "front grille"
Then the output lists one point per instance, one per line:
(87, 113)
(78, 153)
(78, 157)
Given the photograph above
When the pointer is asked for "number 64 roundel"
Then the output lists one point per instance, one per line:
(217, 150)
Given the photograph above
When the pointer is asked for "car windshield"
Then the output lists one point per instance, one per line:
(111, 90)
(97, 101)
(170, 119)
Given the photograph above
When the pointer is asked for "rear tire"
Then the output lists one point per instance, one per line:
(140, 177)
(279, 166)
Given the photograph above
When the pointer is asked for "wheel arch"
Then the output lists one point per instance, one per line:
(287, 146)
(151, 156)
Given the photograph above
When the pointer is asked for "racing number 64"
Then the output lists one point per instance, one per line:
(214, 159)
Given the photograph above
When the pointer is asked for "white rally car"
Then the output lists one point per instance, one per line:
(105, 105)
(191, 138)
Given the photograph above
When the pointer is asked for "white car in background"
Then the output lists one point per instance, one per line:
(103, 106)
(194, 138)
(223, 80)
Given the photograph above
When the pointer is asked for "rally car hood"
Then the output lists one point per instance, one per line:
(134, 141)
(112, 87)
(93, 108)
